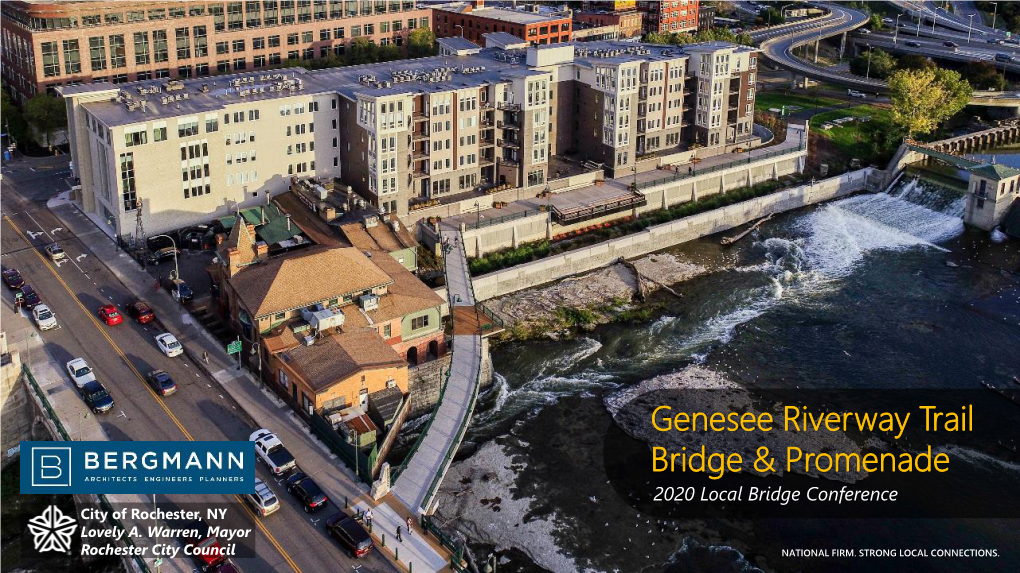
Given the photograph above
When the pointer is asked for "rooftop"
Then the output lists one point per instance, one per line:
(505, 14)
(379, 236)
(458, 43)
(995, 171)
(336, 357)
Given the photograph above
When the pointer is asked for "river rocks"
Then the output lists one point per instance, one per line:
(586, 301)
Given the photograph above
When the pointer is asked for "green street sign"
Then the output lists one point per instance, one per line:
(158, 561)
(234, 347)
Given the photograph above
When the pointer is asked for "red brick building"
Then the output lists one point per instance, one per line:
(670, 16)
(473, 20)
(46, 44)
(627, 23)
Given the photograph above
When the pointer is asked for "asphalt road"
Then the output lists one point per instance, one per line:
(121, 355)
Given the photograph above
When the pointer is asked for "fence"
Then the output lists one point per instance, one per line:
(489, 221)
(395, 472)
(447, 541)
(699, 172)
(62, 433)
(352, 456)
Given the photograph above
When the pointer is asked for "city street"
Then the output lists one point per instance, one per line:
(122, 355)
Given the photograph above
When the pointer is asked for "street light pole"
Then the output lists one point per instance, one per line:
(867, 74)
(970, 27)
(994, 11)
(896, 32)
(177, 269)
(934, 19)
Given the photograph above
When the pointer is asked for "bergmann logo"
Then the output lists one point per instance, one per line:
(51, 466)
(52, 530)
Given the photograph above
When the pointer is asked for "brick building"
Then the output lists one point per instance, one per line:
(472, 20)
(626, 24)
(670, 15)
(47, 44)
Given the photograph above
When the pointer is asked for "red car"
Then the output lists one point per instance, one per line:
(110, 315)
(141, 312)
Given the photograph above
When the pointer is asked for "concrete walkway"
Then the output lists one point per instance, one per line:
(416, 486)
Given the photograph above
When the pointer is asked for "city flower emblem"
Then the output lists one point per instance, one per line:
(52, 530)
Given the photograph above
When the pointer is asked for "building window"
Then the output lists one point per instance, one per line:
(127, 179)
(51, 61)
(419, 322)
(159, 134)
(222, 48)
(97, 53)
(141, 48)
(136, 138)
(183, 42)
(159, 46)
(387, 331)
(72, 57)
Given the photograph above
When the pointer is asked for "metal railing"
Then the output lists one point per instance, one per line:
(489, 221)
(447, 541)
(699, 172)
(490, 313)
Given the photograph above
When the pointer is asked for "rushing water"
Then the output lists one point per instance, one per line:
(876, 290)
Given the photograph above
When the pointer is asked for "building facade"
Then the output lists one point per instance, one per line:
(48, 44)
(627, 24)
(670, 15)
(401, 133)
(472, 20)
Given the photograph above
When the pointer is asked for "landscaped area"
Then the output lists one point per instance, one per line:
(765, 101)
(865, 136)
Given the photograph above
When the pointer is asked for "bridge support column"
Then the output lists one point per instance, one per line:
(750, 178)
(722, 183)
(665, 197)
(694, 191)
(548, 229)
(775, 171)
(514, 240)
(816, 50)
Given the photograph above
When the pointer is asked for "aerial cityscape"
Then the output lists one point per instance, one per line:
(519, 286)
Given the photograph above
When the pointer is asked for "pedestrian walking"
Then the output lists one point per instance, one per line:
(690, 170)
(409, 522)
(368, 516)
(205, 356)
(676, 170)
(399, 538)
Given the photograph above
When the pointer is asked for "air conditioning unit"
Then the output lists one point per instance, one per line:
(369, 302)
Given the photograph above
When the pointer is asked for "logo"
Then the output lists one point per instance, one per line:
(52, 530)
(51, 466)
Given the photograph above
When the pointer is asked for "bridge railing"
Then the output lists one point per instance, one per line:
(723, 166)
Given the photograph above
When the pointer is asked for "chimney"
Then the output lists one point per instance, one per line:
(262, 214)
(288, 221)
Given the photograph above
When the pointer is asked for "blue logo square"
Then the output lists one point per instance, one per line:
(51, 466)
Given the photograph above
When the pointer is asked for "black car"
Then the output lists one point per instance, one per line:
(29, 298)
(913, 44)
(12, 278)
(162, 255)
(950, 44)
(161, 382)
(96, 397)
(312, 498)
(350, 534)
(178, 289)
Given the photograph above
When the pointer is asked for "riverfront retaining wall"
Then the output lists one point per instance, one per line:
(666, 235)
(425, 382)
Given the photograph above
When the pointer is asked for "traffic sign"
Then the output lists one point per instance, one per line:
(234, 347)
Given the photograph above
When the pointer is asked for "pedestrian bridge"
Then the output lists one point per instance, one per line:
(422, 472)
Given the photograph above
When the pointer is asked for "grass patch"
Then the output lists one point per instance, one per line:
(870, 142)
(804, 100)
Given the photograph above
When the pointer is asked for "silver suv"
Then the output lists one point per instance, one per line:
(263, 500)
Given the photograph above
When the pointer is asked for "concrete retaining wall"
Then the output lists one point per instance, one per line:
(663, 236)
(425, 381)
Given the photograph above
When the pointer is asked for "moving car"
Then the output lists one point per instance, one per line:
(311, 495)
(13, 279)
(44, 317)
(272, 452)
(161, 255)
(994, 41)
(856, 94)
(168, 344)
(96, 397)
(204, 546)
(951, 44)
(1000, 57)
(350, 534)
(141, 312)
(262, 500)
(110, 315)
(56, 252)
(161, 382)
(80, 372)
(913, 44)
(28, 297)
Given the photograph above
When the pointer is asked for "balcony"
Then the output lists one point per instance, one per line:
(485, 122)
(508, 143)
(508, 106)
(507, 161)
(487, 105)
(505, 125)
(419, 155)
(419, 136)
(486, 142)
(416, 117)
(485, 161)
(419, 174)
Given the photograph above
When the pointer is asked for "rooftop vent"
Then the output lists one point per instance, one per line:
(369, 302)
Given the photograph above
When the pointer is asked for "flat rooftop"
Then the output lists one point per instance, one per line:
(505, 14)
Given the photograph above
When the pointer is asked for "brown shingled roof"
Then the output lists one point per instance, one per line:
(305, 278)
(243, 239)
(337, 357)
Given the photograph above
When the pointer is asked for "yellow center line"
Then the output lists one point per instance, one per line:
(141, 378)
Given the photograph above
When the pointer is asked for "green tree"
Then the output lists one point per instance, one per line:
(388, 53)
(984, 76)
(361, 51)
(923, 99)
(14, 123)
(882, 64)
(771, 16)
(46, 114)
(330, 61)
(421, 42)
(875, 23)
(914, 62)
(745, 39)
(657, 38)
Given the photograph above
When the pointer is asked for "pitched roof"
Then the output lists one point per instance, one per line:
(379, 237)
(241, 238)
(335, 358)
(995, 171)
(305, 278)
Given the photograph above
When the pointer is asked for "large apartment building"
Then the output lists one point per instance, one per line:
(402, 132)
(49, 44)
(669, 16)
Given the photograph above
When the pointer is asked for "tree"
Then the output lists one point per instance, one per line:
(882, 64)
(745, 39)
(984, 76)
(657, 38)
(771, 16)
(923, 99)
(361, 51)
(915, 62)
(421, 42)
(47, 114)
(875, 23)
(14, 123)
(388, 53)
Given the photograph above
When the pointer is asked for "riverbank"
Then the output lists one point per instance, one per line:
(581, 303)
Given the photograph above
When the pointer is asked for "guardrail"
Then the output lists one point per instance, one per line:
(697, 173)
(490, 221)
(395, 473)
(447, 541)
(103, 501)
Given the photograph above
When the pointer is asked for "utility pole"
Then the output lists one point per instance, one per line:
(896, 32)
(994, 11)
(970, 27)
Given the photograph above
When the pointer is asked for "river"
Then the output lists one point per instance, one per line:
(879, 291)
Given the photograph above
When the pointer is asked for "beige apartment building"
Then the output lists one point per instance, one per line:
(50, 44)
(399, 133)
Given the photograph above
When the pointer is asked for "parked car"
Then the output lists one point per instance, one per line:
(161, 255)
(44, 317)
(169, 345)
(307, 491)
(272, 452)
(178, 289)
(913, 44)
(951, 44)
(80, 372)
(209, 551)
(96, 397)
(161, 382)
(28, 297)
(13, 279)
(262, 500)
(141, 312)
(56, 252)
(856, 94)
(351, 534)
(109, 314)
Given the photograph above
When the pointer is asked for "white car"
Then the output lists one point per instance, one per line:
(856, 94)
(272, 452)
(44, 317)
(169, 345)
(80, 372)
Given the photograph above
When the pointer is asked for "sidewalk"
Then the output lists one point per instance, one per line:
(261, 405)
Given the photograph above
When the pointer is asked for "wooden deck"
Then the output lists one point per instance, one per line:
(469, 320)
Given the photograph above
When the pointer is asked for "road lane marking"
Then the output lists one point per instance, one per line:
(95, 322)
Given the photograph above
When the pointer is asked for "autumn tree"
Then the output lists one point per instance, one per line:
(924, 98)
(421, 42)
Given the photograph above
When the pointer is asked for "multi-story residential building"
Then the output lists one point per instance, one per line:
(48, 44)
(706, 17)
(472, 20)
(670, 15)
(401, 132)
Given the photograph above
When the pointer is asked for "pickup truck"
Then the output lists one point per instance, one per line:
(272, 452)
